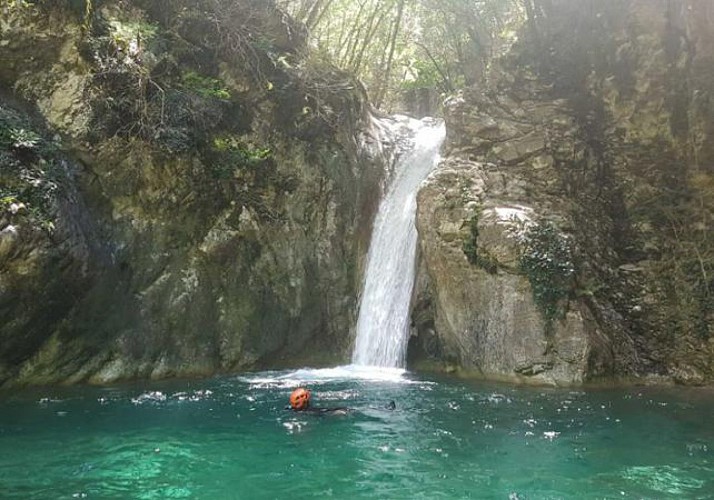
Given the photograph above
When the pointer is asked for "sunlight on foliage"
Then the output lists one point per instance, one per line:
(205, 86)
(24, 139)
(130, 30)
(130, 36)
(29, 170)
(398, 45)
(233, 153)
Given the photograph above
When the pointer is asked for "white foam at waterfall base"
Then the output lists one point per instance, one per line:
(383, 323)
(317, 376)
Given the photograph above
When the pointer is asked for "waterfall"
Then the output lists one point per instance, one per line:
(383, 323)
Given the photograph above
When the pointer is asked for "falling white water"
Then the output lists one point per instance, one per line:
(383, 324)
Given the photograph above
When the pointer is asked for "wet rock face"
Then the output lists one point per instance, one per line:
(217, 216)
(484, 314)
(599, 127)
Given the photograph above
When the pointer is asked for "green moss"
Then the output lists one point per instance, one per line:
(470, 243)
(247, 152)
(480, 258)
(205, 86)
(249, 175)
(230, 154)
(546, 259)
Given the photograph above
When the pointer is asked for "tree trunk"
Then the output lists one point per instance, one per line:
(390, 59)
(316, 13)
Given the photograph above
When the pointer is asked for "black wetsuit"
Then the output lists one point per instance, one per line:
(323, 411)
(340, 410)
(329, 411)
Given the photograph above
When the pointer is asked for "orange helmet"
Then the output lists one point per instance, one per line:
(300, 399)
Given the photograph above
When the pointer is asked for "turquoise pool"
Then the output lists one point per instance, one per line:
(232, 438)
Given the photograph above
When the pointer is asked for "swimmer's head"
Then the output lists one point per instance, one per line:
(300, 399)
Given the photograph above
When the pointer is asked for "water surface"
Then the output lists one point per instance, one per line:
(232, 438)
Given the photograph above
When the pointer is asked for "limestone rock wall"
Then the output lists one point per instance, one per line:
(596, 128)
(213, 193)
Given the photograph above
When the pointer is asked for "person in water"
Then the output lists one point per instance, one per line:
(300, 401)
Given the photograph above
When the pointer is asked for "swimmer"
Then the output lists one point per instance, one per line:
(300, 401)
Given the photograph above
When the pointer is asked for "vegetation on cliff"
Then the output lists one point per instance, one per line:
(409, 52)
(201, 176)
(598, 123)
(214, 204)
(643, 178)
(29, 170)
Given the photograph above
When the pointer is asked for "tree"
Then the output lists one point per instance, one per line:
(396, 45)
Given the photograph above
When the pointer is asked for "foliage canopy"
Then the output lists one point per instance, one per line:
(397, 46)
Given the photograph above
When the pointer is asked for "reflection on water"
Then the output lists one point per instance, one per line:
(232, 438)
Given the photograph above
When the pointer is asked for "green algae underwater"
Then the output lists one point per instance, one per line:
(233, 438)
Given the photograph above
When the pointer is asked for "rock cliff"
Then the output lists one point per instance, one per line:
(185, 191)
(567, 236)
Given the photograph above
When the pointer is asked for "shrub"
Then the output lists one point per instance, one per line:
(29, 170)
(205, 86)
